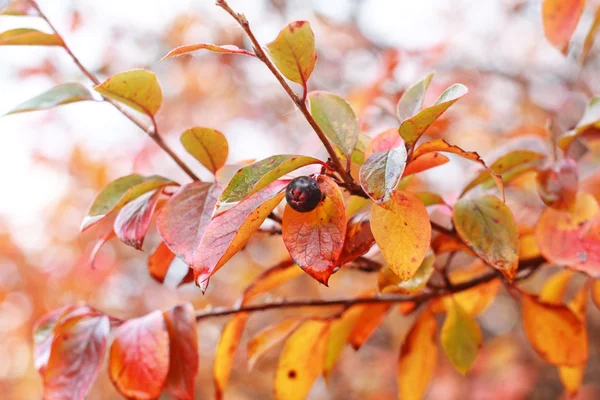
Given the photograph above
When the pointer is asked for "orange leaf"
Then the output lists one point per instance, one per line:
(358, 241)
(139, 357)
(596, 293)
(315, 238)
(43, 335)
(183, 351)
(371, 317)
(560, 18)
(425, 162)
(270, 279)
(572, 238)
(159, 262)
(269, 338)
(418, 358)
(555, 332)
(301, 360)
(402, 231)
(226, 349)
(553, 291)
(384, 141)
(340, 331)
(557, 184)
(190, 48)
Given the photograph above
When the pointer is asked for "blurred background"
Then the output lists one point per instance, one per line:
(53, 163)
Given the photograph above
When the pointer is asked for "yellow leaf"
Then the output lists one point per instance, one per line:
(555, 287)
(370, 318)
(596, 293)
(418, 358)
(268, 338)
(403, 231)
(555, 332)
(138, 88)
(293, 52)
(28, 37)
(226, 349)
(461, 338)
(301, 360)
(208, 146)
(488, 227)
(338, 336)
(389, 282)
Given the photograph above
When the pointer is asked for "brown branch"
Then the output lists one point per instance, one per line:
(299, 102)
(150, 131)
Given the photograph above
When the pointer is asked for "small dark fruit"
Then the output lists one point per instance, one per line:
(303, 194)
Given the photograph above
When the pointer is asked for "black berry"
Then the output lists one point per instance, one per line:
(303, 194)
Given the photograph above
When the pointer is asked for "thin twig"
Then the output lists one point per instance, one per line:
(151, 131)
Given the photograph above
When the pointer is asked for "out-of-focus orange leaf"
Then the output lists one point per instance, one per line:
(62, 94)
(159, 262)
(553, 291)
(76, 356)
(555, 332)
(270, 279)
(190, 48)
(389, 282)
(461, 338)
(209, 146)
(560, 18)
(528, 247)
(315, 238)
(301, 360)
(557, 184)
(418, 358)
(138, 88)
(402, 231)
(381, 172)
(226, 349)
(572, 238)
(445, 147)
(412, 99)
(447, 244)
(488, 227)
(359, 240)
(591, 185)
(293, 52)
(139, 357)
(133, 220)
(425, 162)
(183, 351)
(29, 37)
(102, 240)
(596, 293)
(268, 338)
(120, 192)
(590, 119)
(371, 317)
(340, 331)
(44, 333)
(386, 140)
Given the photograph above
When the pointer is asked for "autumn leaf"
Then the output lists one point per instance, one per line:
(461, 338)
(190, 48)
(389, 282)
(386, 140)
(138, 88)
(29, 37)
(270, 279)
(139, 357)
(381, 173)
(413, 127)
(268, 338)
(488, 227)
(560, 18)
(293, 52)
(425, 162)
(557, 184)
(595, 291)
(159, 262)
(476, 300)
(120, 192)
(412, 99)
(183, 351)
(315, 239)
(402, 231)
(590, 38)
(590, 119)
(62, 94)
(251, 179)
(430, 199)
(359, 240)
(555, 332)
(76, 356)
(555, 287)
(418, 358)
(207, 145)
(572, 238)
(339, 333)
(301, 360)
(133, 220)
(336, 118)
(371, 317)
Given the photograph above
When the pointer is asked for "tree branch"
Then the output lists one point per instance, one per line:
(150, 131)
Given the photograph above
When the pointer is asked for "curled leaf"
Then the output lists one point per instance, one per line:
(133, 221)
(381, 173)
(190, 48)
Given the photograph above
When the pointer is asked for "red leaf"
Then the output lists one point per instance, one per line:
(315, 238)
(183, 353)
(359, 240)
(139, 357)
(133, 220)
(384, 141)
(160, 261)
(76, 356)
(228, 49)
(43, 335)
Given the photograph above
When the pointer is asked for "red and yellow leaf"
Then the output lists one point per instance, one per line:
(560, 18)
(190, 48)
(386, 140)
(133, 221)
(425, 162)
(293, 52)
(159, 262)
(359, 240)
(557, 184)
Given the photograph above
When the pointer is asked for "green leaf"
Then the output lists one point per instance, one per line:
(336, 118)
(254, 177)
(28, 37)
(120, 192)
(138, 88)
(59, 95)
(488, 227)
(389, 282)
(509, 165)
(380, 174)
(412, 99)
(412, 128)
(208, 146)
(293, 52)
(461, 338)
(591, 118)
